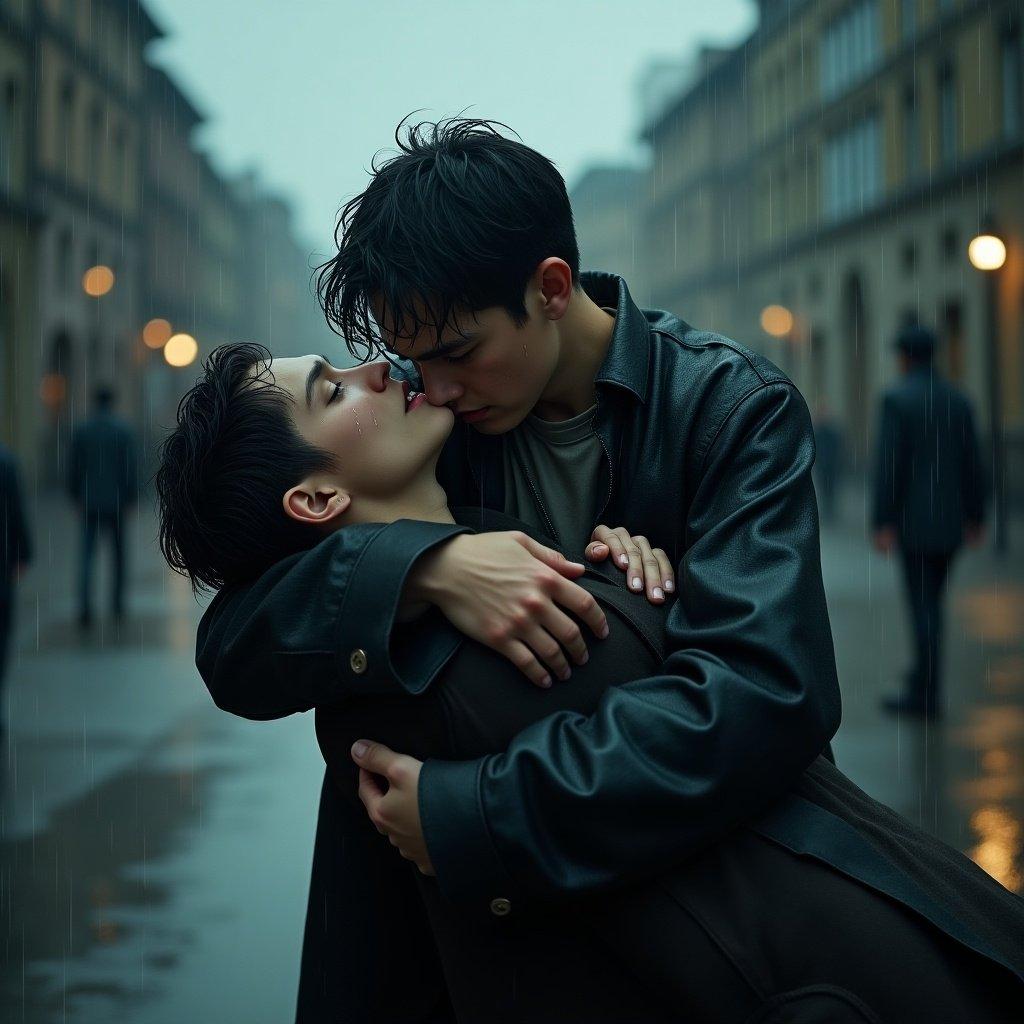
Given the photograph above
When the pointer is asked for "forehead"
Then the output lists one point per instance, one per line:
(419, 336)
(289, 373)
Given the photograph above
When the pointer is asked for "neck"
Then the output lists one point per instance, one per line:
(427, 502)
(585, 333)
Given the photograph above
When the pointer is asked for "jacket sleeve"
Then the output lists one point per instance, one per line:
(16, 536)
(888, 467)
(747, 698)
(75, 468)
(285, 642)
(973, 485)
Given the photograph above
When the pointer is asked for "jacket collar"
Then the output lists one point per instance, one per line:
(627, 361)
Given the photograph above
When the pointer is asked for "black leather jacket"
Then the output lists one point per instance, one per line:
(709, 453)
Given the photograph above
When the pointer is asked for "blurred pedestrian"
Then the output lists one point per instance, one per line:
(828, 460)
(929, 500)
(103, 484)
(15, 554)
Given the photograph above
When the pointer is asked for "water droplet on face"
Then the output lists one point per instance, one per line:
(358, 427)
(373, 416)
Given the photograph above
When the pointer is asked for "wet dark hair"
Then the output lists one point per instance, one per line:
(224, 469)
(458, 220)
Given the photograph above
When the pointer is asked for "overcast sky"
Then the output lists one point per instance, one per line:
(308, 91)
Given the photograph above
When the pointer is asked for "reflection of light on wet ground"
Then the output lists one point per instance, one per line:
(993, 614)
(999, 848)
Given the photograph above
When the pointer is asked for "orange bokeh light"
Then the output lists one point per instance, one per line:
(180, 350)
(97, 281)
(156, 333)
(776, 321)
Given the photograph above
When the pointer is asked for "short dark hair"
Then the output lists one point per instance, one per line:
(104, 396)
(458, 219)
(224, 469)
(917, 343)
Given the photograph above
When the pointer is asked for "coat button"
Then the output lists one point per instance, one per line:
(357, 661)
(500, 907)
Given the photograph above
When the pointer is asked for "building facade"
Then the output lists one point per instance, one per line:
(19, 227)
(607, 207)
(836, 165)
(111, 218)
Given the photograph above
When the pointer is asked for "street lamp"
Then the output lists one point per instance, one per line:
(97, 281)
(181, 349)
(776, 321)
(987, 253)
(156, 333)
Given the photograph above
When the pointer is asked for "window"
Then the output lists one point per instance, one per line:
(851, 180)
(908, 18)
(66, 122)
(849, 48)
(947, 113)
(911, 133)
(949, 243)
(120, 159)
(1012, 80)
(64, 260)
(95, 147)
(8, 131)
(908, 258)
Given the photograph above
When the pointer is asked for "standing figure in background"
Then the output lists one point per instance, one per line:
(15, 554)
(103, 485)
(929, 500)
(828, 461)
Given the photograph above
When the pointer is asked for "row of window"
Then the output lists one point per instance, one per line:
(98, 134)
(10, 126)
(850, 48)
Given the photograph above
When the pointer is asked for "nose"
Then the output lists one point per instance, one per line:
(377, 375)
(437, 386)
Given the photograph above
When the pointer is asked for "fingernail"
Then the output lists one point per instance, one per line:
(637, 583)
(585, 658)
(359, 749)
(669, 586)
(546, 682)
(658, 593)
(623, 559)
(566, 674)
(603, 634)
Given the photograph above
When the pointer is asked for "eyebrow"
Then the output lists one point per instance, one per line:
(311, 378)
(448, 346)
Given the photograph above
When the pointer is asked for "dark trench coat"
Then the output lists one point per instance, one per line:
(831, 907)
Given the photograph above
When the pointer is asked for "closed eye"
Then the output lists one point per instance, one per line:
(338, 389)
(459, 359)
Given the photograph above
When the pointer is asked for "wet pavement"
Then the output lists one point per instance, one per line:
(155, 852)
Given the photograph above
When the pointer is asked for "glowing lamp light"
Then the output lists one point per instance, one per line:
(181, 349)
(156, 333)
(97, 281)
(987, 252)
(776, 321)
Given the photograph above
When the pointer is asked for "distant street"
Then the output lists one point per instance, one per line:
(155, 851)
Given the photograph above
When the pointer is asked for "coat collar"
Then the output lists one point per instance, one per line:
(627, 361)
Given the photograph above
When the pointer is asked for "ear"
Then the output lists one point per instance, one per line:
(315, 502)
(553, 278)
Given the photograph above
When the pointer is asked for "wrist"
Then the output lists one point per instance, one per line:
(428, 581)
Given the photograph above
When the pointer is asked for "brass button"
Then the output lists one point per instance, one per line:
(357, 661)
(500, 907)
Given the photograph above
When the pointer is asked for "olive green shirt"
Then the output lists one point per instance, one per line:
(552, 476)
